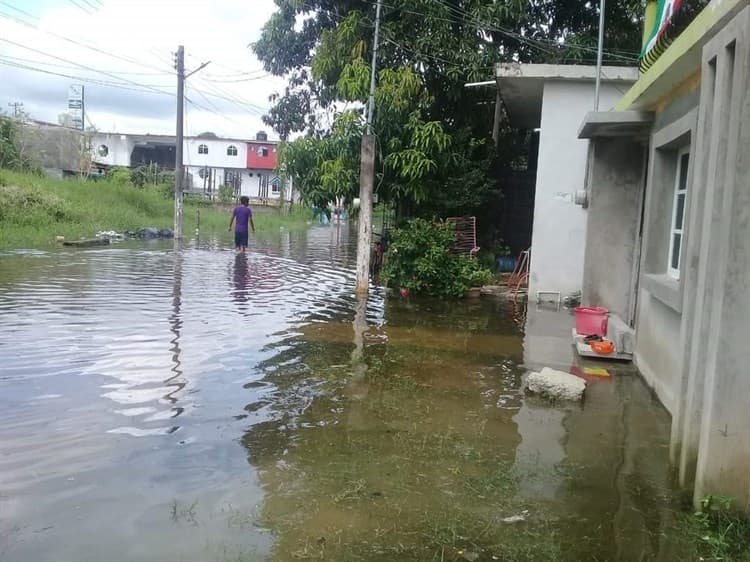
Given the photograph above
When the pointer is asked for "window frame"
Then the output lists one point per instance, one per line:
(675, 230)
(202, 149)
(232, 150)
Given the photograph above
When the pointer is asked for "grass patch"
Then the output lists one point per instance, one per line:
(35, 209)
(716, 533)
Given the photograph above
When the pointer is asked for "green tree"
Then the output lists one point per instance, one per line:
(12, 153)
(434, 151)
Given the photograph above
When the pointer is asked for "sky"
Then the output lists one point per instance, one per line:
(125, 49)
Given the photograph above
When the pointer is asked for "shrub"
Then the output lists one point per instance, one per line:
(420, 260)
(226, 193)
(119, 176)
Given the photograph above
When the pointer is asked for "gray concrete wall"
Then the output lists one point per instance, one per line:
(723, 391)
(51, 146)
(692, 331)
(659, 326)
(614, 213)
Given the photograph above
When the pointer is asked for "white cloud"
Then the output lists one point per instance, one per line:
(234, 86)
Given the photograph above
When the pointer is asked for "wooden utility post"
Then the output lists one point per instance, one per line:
(178, 170)
(16, 105)
(367, 175)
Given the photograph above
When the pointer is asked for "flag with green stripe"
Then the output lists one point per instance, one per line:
(658, 41)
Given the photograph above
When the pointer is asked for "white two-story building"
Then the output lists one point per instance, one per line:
(248, 167)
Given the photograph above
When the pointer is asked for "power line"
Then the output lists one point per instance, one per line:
(89, 80)
(66, 67)
(74, 41)
(460, 12)
(461, 16)
(83, 66)
(91, 4)
(81, 7)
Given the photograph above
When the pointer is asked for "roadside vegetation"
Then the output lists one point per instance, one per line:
(34, 209)
(421, 261)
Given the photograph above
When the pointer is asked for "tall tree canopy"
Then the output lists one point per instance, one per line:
(433, 132)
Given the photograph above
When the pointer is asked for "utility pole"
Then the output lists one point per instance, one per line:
(367, 175)
(599, 53)
(16, 105)
(178, 171)
(83, 108)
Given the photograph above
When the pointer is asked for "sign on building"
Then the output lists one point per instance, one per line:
(76, 105)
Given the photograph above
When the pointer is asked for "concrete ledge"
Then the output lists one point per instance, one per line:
(521, 86)
(622, 335)
(616, 124)
(664, 288)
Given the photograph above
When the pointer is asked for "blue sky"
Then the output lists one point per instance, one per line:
(122, 51)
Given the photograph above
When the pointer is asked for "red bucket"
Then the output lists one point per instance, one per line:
(591, 321)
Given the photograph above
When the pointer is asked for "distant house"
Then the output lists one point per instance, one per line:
(262, 162)
(667, 245)
(248, 167)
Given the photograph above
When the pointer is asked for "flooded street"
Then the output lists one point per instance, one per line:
(195, 405)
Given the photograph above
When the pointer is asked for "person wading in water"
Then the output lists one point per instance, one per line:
(243, 215)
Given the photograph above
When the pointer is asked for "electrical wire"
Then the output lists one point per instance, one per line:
(74, 41)
(86, 79)
(82, 66)
(460, 16)
(81, 7)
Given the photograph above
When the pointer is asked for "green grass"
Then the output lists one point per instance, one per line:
(716, 533)
(34, 210)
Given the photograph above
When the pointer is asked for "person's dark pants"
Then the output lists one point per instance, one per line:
(240, 239)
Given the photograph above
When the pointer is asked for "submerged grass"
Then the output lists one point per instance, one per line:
(34, 210)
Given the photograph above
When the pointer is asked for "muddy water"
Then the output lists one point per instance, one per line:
(194, 405)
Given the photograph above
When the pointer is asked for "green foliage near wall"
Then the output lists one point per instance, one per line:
(12, 156)
(420, 260)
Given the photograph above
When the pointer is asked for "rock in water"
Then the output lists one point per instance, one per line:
(556, 385)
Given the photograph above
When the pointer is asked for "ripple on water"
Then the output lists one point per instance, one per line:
(179, 405)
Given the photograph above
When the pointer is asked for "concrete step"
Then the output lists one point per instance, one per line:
(622, 335)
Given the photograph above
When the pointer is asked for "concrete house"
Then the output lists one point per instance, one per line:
(554, 99)
(248, 167)
(667, 245)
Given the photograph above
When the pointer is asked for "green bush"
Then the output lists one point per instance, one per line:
(420, 260)
(226, 193)
(119, 176)
(12, 157)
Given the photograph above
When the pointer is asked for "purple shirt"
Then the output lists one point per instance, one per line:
(241, 215)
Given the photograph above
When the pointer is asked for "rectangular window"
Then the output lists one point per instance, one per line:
(677, 237)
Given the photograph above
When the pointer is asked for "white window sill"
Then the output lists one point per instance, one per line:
(665, 288)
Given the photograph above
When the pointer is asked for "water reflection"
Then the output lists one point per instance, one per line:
(274, 415)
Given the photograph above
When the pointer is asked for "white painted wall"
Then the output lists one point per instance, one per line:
(217, 153)
(119, 149)
(251, 181)
(559, 236)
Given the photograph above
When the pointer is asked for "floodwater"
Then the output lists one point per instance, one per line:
(192, 405)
